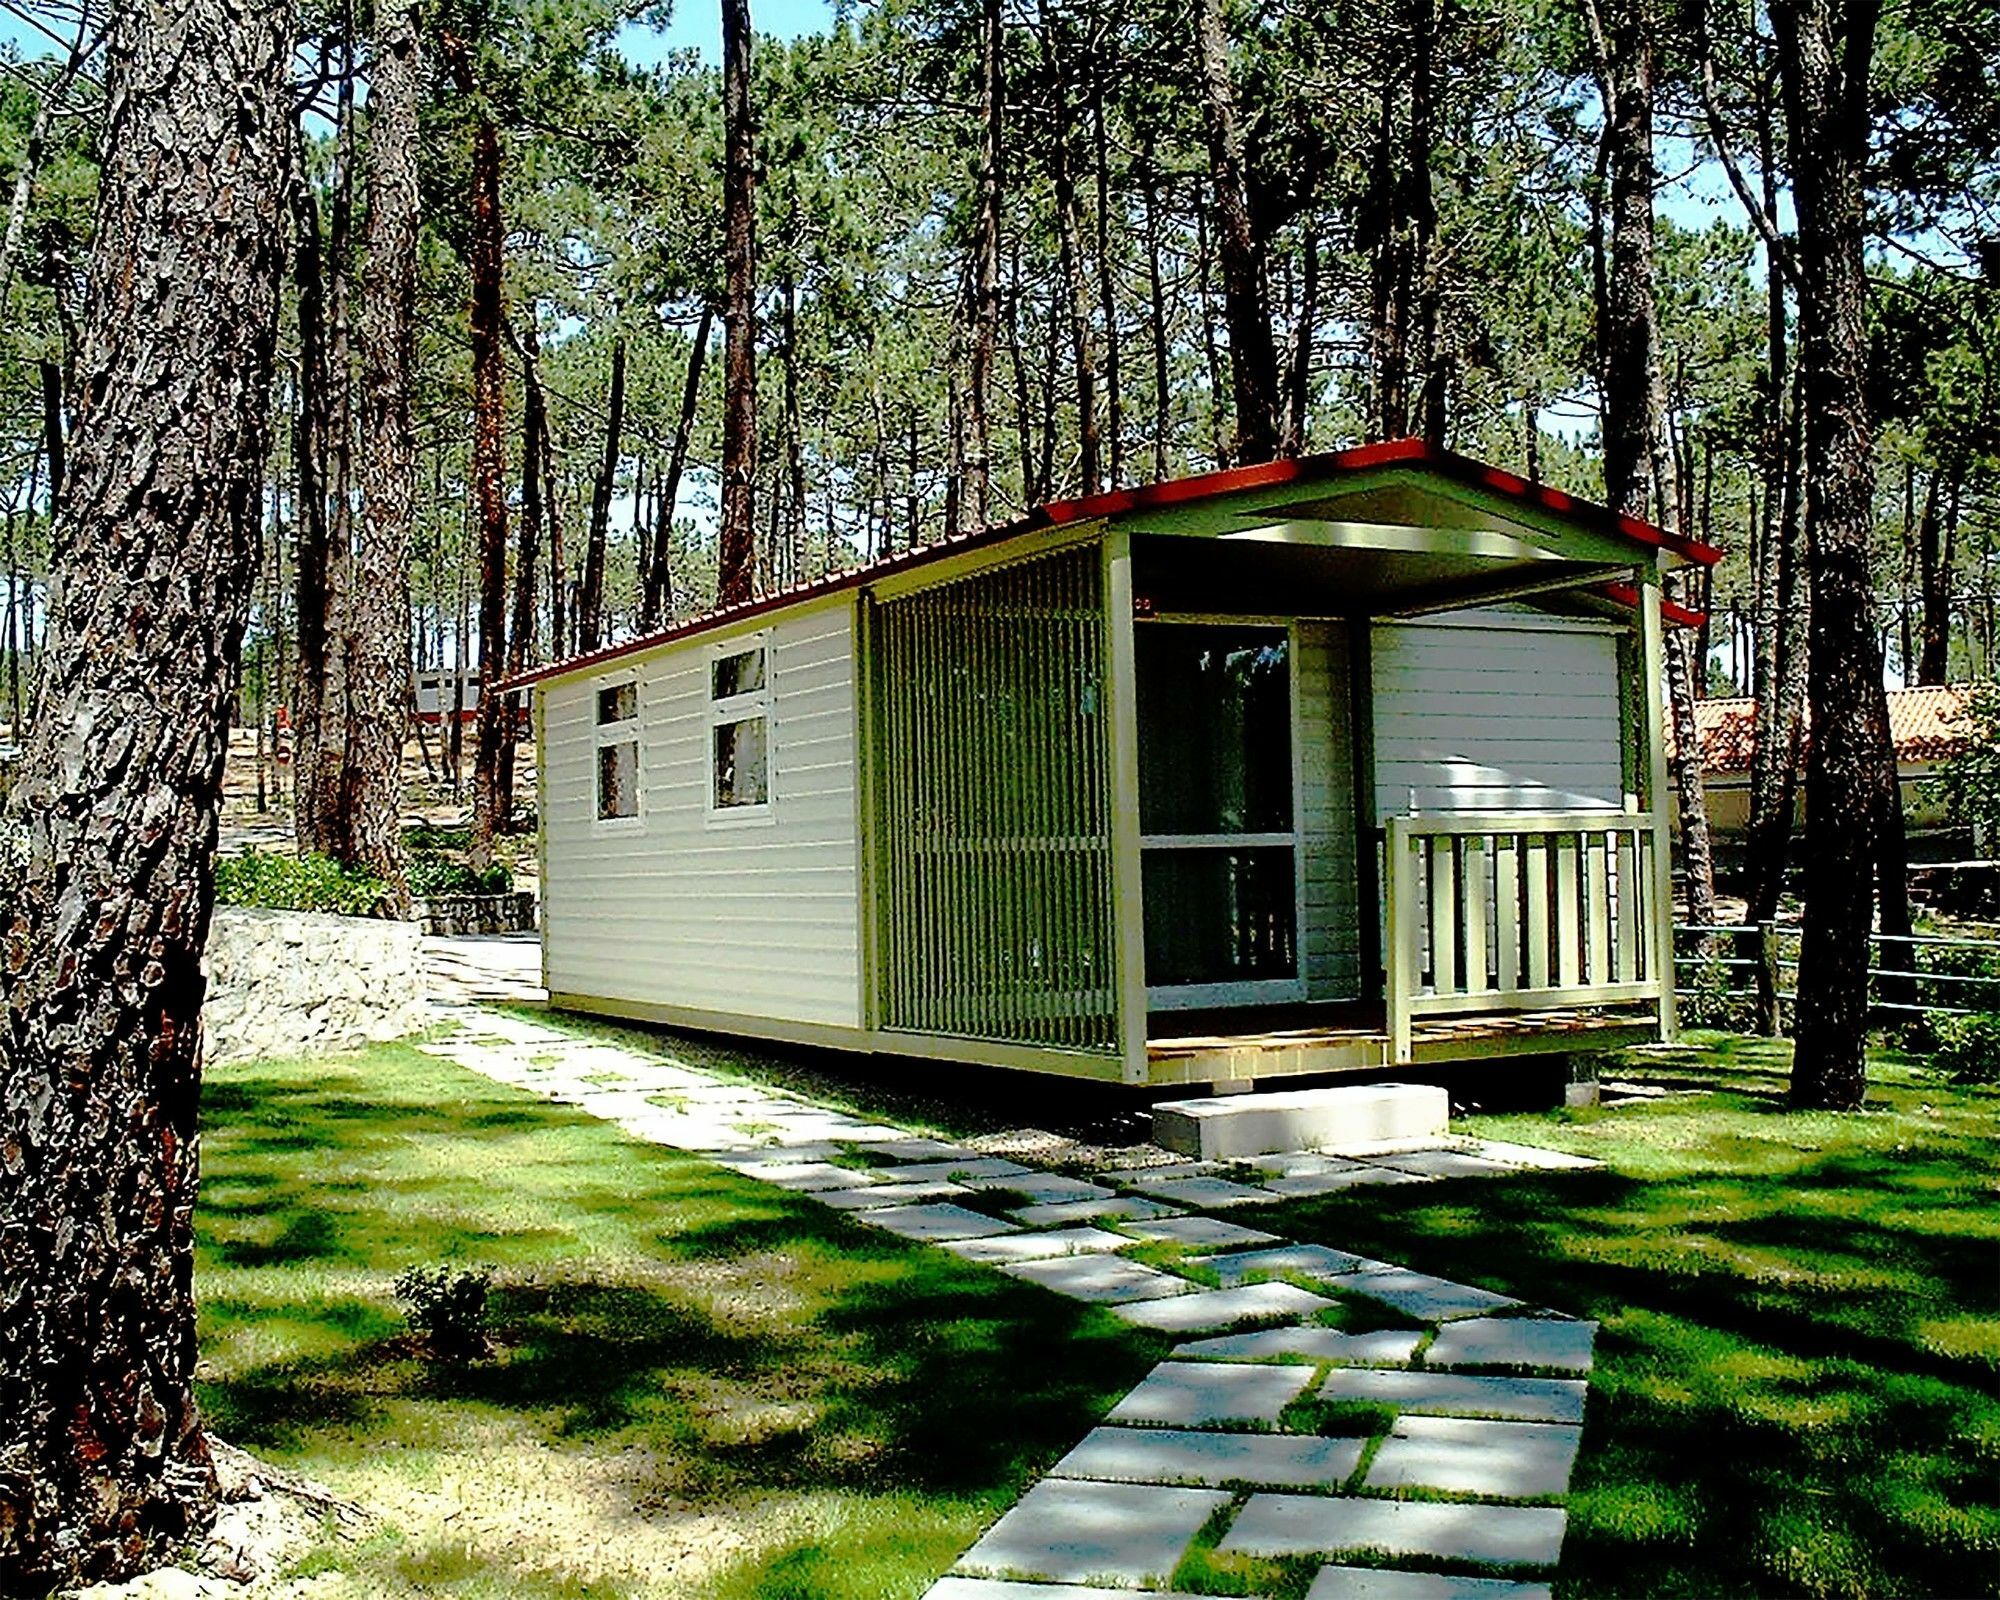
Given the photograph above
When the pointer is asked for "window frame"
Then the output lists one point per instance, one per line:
(626, 731)
(748, 706)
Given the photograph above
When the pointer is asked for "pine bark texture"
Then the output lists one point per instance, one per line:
(736, 559)
(1246, 298)
(102, 1458)
(590, 597)
(658, 603)
(1824, 50)
(486, 321)
(1639, 471)
(377, 609)
(976, 450)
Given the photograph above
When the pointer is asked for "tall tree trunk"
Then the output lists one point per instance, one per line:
(310, 562)
(658, 602)
(1824, 49)
(1253, 357)
(1107, 288)
(736, 560)
(984, 277)
(1638, 461)
(378, 677)
(1420, 208)
(1937, 539)
(534, 502)
(1069, 253)
(1778, 664)
(103, 1464)
(590, 597)
(486, 325)
(1157, 292)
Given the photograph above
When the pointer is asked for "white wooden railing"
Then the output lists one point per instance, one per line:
(1506, 914)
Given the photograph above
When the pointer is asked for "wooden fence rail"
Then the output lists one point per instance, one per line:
(1770, 967)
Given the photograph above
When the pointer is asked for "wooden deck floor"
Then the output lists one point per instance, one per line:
(1353, 1037)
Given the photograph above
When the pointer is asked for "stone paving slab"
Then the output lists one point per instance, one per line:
(1384, 1347)
(1305, 1260)
(1162, 1172)
(935, 1222)
(958, 1171)
(1177, 1455)
(1044, 1188)
(1207, 1310)
(1101, 1280)
(955, 1588)
(1458, 1394)
(1309, 1184)
(1378, 1583)
(1127, 1207)
(910, 1147)
(1127, 1534)
(1038, 1246)
(1456, 1455)
(808, 1177)
(1528, 1155)
(779, 1154)
(1299, 1525)
(1207, 1192)
(1304, 1164)
(1191, 1394)
(1552, 1342)
(1419, 1295)
(874, 1197)
(1447, 1164)
(1198, 1233)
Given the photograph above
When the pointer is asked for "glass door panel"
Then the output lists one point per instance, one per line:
(1216, 813)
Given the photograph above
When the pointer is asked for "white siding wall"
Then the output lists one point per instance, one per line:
(1496, 711)
(1330, 962)
(751, 918)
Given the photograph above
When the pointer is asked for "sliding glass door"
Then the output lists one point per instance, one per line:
(1218, 813)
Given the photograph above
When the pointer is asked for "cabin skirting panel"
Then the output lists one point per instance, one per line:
(993, 898)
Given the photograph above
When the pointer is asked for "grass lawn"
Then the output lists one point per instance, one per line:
(1798, 1379)
(705, 1387)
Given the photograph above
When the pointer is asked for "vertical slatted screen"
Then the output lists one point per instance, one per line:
(993, 895)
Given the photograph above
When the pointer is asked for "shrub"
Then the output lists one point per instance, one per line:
(422, 837)
(1968, 1048)
(296, 883)
(447, 1305)
(434, 874)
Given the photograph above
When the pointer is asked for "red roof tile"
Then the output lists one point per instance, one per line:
(1926, 724)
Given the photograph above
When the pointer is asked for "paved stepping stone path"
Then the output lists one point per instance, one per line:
(1449, 1434)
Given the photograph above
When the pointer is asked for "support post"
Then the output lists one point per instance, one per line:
(1121, 708)
(1652, 660)
(1770, 1022)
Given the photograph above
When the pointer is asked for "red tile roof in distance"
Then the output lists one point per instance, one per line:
(1926, 725)
(1176, 492)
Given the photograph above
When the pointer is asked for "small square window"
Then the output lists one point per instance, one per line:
(742, 766)
(742, 673)
(618, 780)
(617, 703)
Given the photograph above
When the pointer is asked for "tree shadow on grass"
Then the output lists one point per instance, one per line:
(1766, 1416)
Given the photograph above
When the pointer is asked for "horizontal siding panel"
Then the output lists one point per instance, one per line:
(1496, 713)
(748, 917)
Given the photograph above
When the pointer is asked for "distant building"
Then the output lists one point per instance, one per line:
(1929, 726)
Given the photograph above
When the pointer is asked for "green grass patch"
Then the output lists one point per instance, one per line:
(1796, 1381)
(702, 1386)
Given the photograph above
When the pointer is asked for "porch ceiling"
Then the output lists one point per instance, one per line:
(1299, 567)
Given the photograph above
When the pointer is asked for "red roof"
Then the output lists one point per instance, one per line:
(1174, 492)
(1926, 725)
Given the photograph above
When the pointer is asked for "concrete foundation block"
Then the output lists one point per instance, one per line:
(1232, 1127)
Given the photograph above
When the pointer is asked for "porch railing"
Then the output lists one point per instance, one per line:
(1506, 914)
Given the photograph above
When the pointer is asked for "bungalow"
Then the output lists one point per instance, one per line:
(1321, 765)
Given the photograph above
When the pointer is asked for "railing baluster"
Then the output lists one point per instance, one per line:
(1538, 911)
(1628, 904)
(1568, 935)
(1506, 913)
(1597, 903)
(1474, 897)
(1444, 916)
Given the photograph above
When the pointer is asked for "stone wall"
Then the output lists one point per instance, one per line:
(287, 983)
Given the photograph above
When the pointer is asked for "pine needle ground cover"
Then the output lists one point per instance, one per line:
(1797, 1388)
(701, 1386)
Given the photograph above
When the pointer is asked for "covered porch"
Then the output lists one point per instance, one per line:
(1131, 821)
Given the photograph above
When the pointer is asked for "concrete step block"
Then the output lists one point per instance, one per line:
(1235, 1127)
